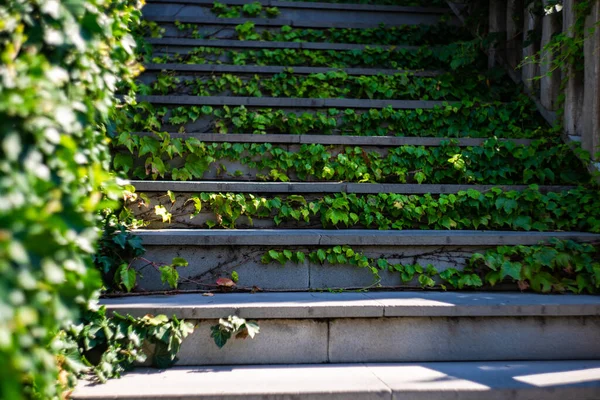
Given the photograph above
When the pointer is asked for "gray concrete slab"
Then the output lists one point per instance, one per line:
(381, 141)
(321, 19)
(514, 380)
(314, 237)
(287, 102)
(311, 305)
(414, 339)
(279, 342)
(256, 44)
(321, 187)
(316, 6)
(208, 263)
(519, 380)
(268, 70)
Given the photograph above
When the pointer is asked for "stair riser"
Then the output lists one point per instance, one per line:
(208, 263)
(307, 16)
(401, 340)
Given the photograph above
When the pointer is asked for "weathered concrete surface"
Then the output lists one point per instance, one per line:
(317, 16)
(313, 305)
(156, 190)
(286, 102)
(286, 138)
(279, 342)
(591, 96)
(454, 339)
(353, 237)
(207, 264)
(548, 380)
(152, 69)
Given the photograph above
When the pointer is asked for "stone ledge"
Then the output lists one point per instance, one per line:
(315, 6)
(321, 237)
(323, 187)
(380, 141)
(257, 44)
(518, 380)
(286, 102)
(315, 305)
(259, 69)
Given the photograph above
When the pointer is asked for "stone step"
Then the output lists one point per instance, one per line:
(374, 304)
(183, 45)
(284, 102)
(299, 17)
(518, 380)
(322, 187)
(213, 254)
(152, 69)
(385, 327)
(376, 141)
(339, 7)
(352, 237)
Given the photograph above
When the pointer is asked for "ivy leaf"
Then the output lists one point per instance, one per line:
(512, 269)
(252, 329)
(321, 255)
(128, 277)
(169, 275)
(522, 222)
(220, 336)
(123, 162)
(179, 262)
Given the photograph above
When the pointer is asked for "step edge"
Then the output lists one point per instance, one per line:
(378, 141)
(274, 22)
(311, 305)
(326, 187)
(318, 5)
(415, 379)
(260, 69)
(353, 237)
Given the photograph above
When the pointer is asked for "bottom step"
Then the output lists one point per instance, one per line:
(547, 380)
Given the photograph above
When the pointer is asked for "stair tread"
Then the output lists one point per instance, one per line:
(289, 102)
(325, 187)
(357, 305)
(315, 5)
(412, 381)
(258, 44)
(278, 22)
(364, 237)
(260, 69)
(291, 138)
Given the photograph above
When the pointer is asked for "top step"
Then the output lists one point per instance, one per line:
(309, 14)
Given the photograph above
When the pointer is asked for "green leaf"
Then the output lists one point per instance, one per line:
(321, 255)
(169, 275)
(512, 269)
(123, 162)
(179, 262)
(220, 336)
(128, 277)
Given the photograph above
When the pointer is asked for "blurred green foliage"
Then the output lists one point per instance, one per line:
(60, 64)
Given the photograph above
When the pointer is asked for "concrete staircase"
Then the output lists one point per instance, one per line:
(315, 344)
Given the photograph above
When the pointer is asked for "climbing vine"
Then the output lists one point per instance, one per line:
(516, 119)
(528, 210)
(560, 266)
(337, 84)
